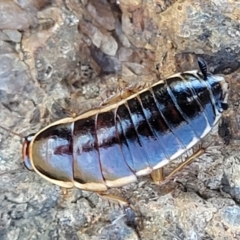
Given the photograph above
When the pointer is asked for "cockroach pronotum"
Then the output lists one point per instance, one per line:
(136, 135)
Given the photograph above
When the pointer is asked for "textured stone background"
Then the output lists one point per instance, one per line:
(59, 57)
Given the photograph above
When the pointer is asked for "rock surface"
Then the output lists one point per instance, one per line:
(63, 57)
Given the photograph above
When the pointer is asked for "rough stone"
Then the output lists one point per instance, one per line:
(13, 35)
(73, 55)
(14, 17)
(102, 14)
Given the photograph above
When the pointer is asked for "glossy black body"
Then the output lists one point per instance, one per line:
(155, 125)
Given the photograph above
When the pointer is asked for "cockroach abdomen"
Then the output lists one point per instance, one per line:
(52, 152)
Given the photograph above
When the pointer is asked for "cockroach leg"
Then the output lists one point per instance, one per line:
(123, 94)
(64, 191)
(185, 163)
(110, 100)
(133, 220)
(157, 176)
(117, 97)
(114, 199)
(65, 194)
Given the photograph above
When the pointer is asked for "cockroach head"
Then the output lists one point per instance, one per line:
(224, 95)
(217, 84)
(220, 91)
(25, 151)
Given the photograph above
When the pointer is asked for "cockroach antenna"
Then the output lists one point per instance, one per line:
(12, 132)
(14, 171)
(203, 67)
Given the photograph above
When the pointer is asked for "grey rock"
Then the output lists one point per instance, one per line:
(58, 69)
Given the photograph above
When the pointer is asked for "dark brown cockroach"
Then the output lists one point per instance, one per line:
(134, 136)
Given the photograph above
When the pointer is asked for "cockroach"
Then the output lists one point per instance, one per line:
(134, 135)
